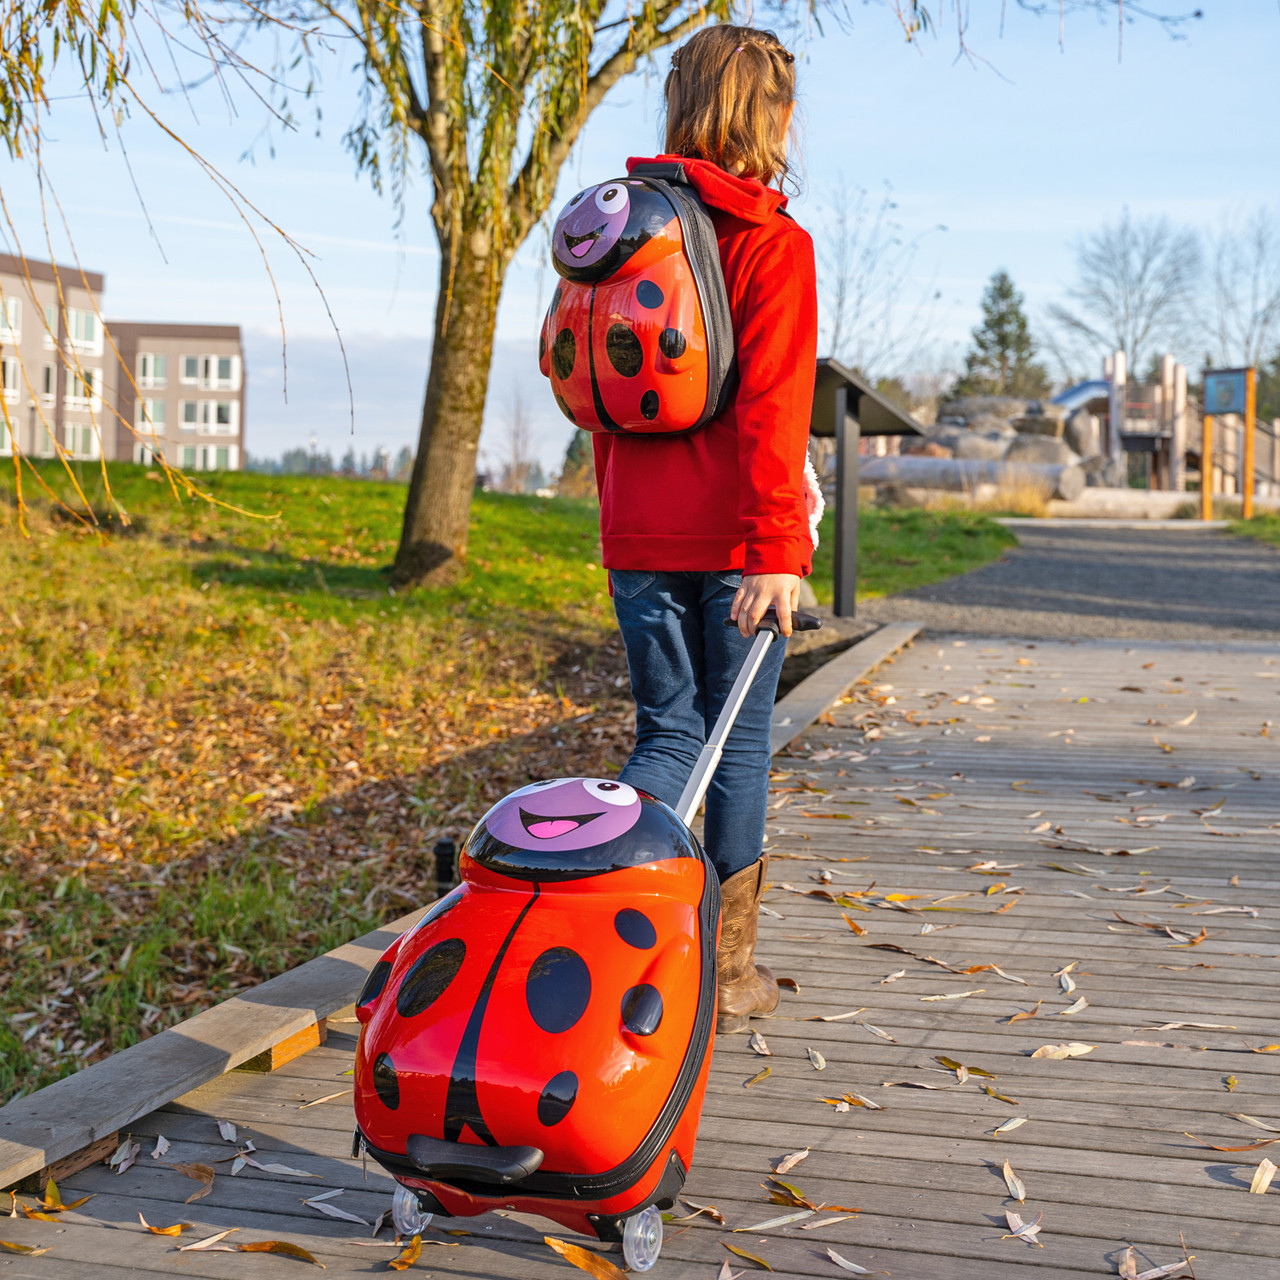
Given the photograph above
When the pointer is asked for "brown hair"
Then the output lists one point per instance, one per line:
(727, 95)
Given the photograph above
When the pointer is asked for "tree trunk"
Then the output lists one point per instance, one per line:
(433, 540)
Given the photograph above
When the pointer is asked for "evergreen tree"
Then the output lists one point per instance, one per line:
(578, 474)
(1001, 361)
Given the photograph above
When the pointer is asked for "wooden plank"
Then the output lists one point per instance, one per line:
(79, 1110)
(288, 1049)
(70, 1164)
(796, 712)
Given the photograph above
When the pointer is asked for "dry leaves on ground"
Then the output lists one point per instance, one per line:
(176, 1230)
(845, 1265)
(789, 1162)
(1072, 1049)
(201, 1173)
(411, 1253)
(1128, 1269)
(1017, 1190)
(1262, 1176)
(1020, 1230)
(29, 1250)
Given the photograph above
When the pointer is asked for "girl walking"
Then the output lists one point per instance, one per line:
(713, 525)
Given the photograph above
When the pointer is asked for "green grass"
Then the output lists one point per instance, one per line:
(1266, 528)
(228, 746)
(902, 548)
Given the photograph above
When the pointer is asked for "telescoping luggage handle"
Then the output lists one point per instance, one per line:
(709, 757)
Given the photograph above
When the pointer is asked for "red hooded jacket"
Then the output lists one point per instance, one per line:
(729, 496)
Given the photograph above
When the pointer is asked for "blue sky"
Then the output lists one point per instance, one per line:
(1016, 156)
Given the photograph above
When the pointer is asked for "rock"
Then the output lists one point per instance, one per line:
(984, 445)
(1036, 448)
(1103, 473)
(1084, 433)
(1046, 409)
(1040, 426)
(970, 407)
(991, 422)
(926, 449)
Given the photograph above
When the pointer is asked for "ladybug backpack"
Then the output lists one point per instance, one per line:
(638, 336)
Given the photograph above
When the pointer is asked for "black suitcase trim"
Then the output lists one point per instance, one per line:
(612, 1182)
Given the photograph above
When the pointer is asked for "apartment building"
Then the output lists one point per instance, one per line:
(185, 399)
(128, 391)
(53, 375)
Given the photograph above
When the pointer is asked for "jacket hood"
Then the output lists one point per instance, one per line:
(745, 198)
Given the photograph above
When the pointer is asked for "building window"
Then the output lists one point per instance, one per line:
(84, 389)
(82, 442)
(50, 336)
(153, 369)
(147, 454)
(210, 417)
(9, 379)
(6, 444)
(190, 369)
(152, 417)
(48, 382)
(84, 332)
(10, 319)
(187, 457)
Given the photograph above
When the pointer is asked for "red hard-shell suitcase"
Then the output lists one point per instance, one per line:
(540, 1039)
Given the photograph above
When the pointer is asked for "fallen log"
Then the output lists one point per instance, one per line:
(964, 475)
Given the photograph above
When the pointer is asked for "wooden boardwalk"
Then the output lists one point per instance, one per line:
(1040, 758)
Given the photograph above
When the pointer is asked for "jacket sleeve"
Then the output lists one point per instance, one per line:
(777, 339)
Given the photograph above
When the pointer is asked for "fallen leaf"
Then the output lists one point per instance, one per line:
(787, 1163)
(283, 1169)
(955, 995)
(282, 1246)
(1262, 1177)
(125, 1154)
(161, 1148)
(209, 1242)
(227, 1130)
(1198, 1026)
(1011, 1180)
(999, 1097)
(413, 1251)
(1249, 1146)
(835, 1017)
(328, 1097)
(759, 1075)
(1080, 1005)
(1229, 1083)
(893, 977)
(709, 1209)
(778, 1222)
(1263, 1048)
(912, 1084)
(332, 1211)
(742, 1253)
(876, 1031)
(1065, 980)
(790, 984)
(854, 925)
(1010, 1125)
(27, 1249)
(176, 1230)
(1257, 1124)
(1023, 1230)
(1023, 1014)
(1072, 1049)
(952, 1065)
(846, 1265)
(825, 1222)
(818, 1062)
(759, 1045)
(201, 1173)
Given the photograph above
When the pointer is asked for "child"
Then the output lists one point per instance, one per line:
(713, 525)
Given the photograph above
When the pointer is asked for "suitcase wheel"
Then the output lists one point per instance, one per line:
(409, 1216)
(642, 1239)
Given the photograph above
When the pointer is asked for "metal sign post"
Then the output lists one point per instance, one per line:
(1206, 468)
(1250, 430)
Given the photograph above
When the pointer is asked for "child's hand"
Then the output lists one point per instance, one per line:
(757, 593)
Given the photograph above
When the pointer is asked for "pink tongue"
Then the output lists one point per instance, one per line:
(549, 830)
(581, 250)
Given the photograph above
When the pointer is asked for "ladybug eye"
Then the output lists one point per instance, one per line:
(615, 793)
(611, 199)
(576, 199)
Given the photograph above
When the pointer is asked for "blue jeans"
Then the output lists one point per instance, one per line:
(683, 661)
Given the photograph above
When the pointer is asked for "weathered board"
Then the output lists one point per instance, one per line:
(1034, 757)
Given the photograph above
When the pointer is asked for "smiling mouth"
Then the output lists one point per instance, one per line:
(580, 246)
(544, 828)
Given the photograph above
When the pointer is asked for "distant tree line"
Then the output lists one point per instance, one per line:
(379, 465)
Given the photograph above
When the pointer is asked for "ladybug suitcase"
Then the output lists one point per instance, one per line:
(540, 1039)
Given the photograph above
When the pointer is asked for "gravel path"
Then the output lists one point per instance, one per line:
(1122, 583)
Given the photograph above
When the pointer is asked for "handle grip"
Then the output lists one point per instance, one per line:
(800, 621)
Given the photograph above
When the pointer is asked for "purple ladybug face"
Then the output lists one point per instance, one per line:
(591, 224)
(568, 814)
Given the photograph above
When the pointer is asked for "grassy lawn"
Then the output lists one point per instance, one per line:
(229, 746)
(1266, 528)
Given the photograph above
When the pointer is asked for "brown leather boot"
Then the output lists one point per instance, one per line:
(745, 989)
